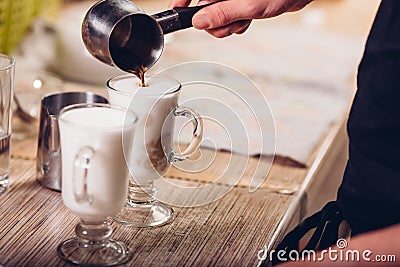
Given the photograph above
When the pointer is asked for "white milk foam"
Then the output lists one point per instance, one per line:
(154, 85)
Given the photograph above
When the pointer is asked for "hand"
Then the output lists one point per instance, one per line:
(234, 16)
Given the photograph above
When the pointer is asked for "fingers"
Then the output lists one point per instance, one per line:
(221, 14)
(299, 5)
(180, 3)
(241, 31)
(237, 27)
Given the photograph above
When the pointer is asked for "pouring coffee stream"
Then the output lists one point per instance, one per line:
(121, 34)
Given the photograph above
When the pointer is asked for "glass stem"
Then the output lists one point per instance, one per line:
(139, 194)
(93, 233)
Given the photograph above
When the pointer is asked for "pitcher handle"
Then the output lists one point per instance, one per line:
(53, 140)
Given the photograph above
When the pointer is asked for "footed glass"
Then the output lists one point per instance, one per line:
(94, 179)
(152, 151)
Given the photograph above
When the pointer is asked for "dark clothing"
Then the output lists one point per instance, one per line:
(369, 197)
(370, 192)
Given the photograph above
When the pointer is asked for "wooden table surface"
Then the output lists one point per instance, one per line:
(228, 232)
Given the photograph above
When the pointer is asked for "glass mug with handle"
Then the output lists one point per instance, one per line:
(94, 179)
(156, 106)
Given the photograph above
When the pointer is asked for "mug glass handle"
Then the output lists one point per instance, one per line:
(197, 134)
(82, 164)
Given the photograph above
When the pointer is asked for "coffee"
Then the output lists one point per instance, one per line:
(134, 63)
(131, 44)
(139, 72)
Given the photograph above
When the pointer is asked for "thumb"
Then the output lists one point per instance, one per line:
(220, 14)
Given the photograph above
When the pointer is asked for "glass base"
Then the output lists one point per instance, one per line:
(109, 253)
(145, 215)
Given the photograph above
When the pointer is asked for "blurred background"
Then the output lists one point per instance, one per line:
(45, 34)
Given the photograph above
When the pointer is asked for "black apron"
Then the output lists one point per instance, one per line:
(369, 196)
(370, 192)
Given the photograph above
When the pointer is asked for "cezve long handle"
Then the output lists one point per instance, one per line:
(177, 18)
